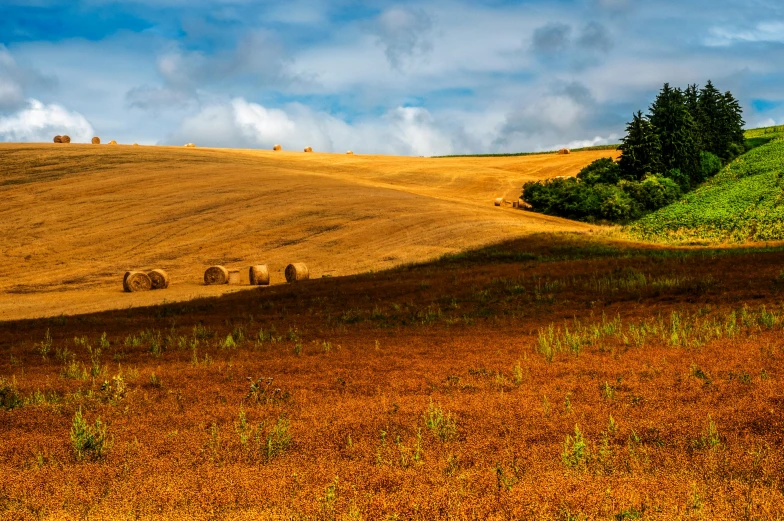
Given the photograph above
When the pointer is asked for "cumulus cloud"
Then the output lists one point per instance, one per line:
(404, 34)
(239, 123)
(595, 37)
(39, 123)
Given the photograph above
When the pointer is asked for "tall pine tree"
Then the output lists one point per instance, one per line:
(731, 127)
(640, 149)
(676, 130)
(709, 119)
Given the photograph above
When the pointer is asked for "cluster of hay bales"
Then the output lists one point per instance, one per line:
(189, 145)
(134, 281)
(564, 151)
(258, 275)
(62, 139)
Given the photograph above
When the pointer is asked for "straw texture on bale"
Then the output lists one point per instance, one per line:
(159, 279)
(308, 149)
(234, 277)
(96, 140)
(136, 281)
(65, 139)
(297, 271)
(277, 147)
(259, 275)
(216, 275)
(499, 201)
(58, 139)
(112, 142)
(564, 151)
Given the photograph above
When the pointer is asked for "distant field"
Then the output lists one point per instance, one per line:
(75, 217)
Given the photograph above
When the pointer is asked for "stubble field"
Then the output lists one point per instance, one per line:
(76, 217)
(552, 377)
(556, 376)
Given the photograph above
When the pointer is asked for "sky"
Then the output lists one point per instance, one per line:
(412, 78)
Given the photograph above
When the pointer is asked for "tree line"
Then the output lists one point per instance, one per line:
(683, 140)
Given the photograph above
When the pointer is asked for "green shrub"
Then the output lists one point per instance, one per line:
(602, 171)
(87, 441)
(710, 164)
(9, 395)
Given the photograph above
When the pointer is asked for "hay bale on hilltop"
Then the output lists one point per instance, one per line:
(499, 201)
(58, 139)
(216, 275)
(112, 142)
(297, 271)
(277, 148)
(259, 275)
(234, 277)
(159, 279)
(135, 144)
(350, 153)
(564, 151)
(65, 139)
(190, 145)
(308, 149)
(96, 140)
(134, 281)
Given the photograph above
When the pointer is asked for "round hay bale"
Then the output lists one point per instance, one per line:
(297, 271)
(58, 139)
(159, 278)
(216, 275)
(350, 153)
(65, 139)
(96, 140)
(277, 147)
(564, 151)
(499, 201)
(135, 144)
(259, 275)
(190, 145)
(136, 281)
(308, 149)
(234, 277)
(112, 142)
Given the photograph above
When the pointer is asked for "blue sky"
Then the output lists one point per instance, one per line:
(419, 78)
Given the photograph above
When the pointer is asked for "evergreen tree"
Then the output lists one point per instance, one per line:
(730, 124)
(692, 99)
(640, 149)
(710, 119)
(676, 129)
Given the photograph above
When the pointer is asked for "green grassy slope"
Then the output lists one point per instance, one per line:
(743, 202)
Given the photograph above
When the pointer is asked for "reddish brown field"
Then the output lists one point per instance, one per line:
(432, 391)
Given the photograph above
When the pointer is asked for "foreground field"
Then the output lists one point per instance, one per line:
(553, 377)
(75, 217)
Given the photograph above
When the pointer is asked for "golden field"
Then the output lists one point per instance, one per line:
(74, 218)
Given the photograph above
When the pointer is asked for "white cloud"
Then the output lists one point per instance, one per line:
(762, 32)
(404, 34)
(40, 123)
(239, 123)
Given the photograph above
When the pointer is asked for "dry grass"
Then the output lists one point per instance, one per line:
(75, 218)
(427, 392)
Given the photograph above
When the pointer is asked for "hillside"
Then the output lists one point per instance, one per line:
(75, 217)
(743, 202)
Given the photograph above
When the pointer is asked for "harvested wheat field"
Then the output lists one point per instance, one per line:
(75, 219)
(553, 377)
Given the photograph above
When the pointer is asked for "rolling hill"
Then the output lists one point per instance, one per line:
(743, 202)
(75, 217)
